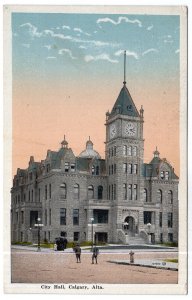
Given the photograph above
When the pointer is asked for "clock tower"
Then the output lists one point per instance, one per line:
(124, 162)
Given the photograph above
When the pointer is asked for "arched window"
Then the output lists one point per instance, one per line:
(145, 195)
(100, 192)
(170, 197)
(159, 196)
(90, 192)
(76, 191)
(63, 190)
(124, 150)
(134, 151)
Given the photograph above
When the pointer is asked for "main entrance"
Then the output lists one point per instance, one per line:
(129, 226)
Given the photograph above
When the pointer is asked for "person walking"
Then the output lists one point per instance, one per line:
(95, 254)
(77, 250)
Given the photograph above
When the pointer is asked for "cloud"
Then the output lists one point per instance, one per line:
(103, 56)
(26, 45)
(149, 51)
(62, 51)
(81, 31)
(50, 57)
(120, 20)
(47, 46)
(57, 35)
(128, 53)
(82, 47)
(150, 27)
(32, 30)
(66, 27)
(177, 51)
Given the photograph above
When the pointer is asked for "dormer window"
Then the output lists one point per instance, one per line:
(167, 175)
(73, 167)
(93, 170)
(129, 107)
(66, 167)
(162, 174)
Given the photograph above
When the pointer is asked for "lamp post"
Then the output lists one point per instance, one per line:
(149, 232)
(92, 220)
(39, 226)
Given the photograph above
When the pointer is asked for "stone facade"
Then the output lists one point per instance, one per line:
(129, 200)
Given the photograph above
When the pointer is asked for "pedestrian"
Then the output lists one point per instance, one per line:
(77, 250)
(95, 254)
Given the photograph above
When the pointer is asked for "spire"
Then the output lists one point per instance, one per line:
(64, 143)
(156, 152)
(124, 82)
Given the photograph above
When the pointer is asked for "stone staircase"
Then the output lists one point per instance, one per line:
(136, 240)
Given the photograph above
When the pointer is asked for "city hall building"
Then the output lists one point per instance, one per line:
(119, 199)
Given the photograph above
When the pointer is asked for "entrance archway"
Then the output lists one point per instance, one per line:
(129, 226)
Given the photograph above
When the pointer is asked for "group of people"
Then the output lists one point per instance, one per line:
(77, 250)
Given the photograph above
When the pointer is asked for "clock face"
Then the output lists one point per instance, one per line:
(130, 129)
(113, 131)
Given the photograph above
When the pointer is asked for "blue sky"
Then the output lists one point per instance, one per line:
(46, 44)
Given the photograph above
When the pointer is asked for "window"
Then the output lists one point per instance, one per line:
(109, 170)
(45, 192)
(170, 197)
(159, 196)
(160, 219)
(109, 195)
(170, 220)
(115, 151)
(66, 167)
(90, 192)
(162, 174)
(147, 217)
(130, 191)
(63, 191)
(125, 150)
(50, 216)
(129, 150)
(114, 168)
(63, 233)
(73, 167)
(129, 168)
(93, 170)
(76, 191)
(112, 192)
(22, 217)
(135, 169)
(100, 192)
(109, 152)
(134, 151)
(125, 191)
(112, 151)
(49, 191)
(115, 192)
(45, 217)
(161, 238)
(30, 176)
(135, 192)
(145, 195)
(62, 216)
(124, 168)
(29, 197)
(97, 170)
(75, 217)
(32, 195)
(166, 175)
(17, 217)
(170, 237)
(48, 168)
(100, 216)
(76, 236)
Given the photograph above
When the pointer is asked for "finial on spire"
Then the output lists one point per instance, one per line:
(124, 82)
(156, 152)
(64, 143)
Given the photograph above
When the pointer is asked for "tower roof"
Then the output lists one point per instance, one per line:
(124, 104)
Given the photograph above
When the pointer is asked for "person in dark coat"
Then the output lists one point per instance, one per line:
(77, 251)
(95, 254)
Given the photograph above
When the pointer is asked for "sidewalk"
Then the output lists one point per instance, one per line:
(157, 264)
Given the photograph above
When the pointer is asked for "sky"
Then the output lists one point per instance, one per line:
(67, 72)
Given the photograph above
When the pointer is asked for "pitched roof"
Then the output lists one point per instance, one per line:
(124, 104)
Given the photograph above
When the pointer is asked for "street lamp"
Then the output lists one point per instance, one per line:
(149, 231)
(39, 226)
(92, 220)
